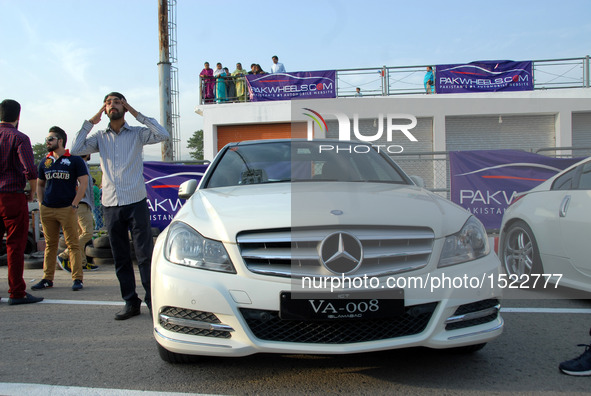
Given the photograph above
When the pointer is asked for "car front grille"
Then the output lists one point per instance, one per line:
(267, 325)
(293, 253)
(191, 322)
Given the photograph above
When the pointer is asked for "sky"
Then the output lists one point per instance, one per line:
(59, 58)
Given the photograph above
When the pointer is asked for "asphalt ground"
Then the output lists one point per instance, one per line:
(70, 344)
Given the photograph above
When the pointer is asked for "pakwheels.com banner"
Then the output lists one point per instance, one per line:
(485, 181)
(162, 183)
(484, 76)
(296, 85)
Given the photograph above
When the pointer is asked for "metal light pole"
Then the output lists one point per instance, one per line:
(164, 78)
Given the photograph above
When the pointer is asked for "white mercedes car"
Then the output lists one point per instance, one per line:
(319, 247)
(544, 236)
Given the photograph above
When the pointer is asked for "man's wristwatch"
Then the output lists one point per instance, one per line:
(75, 206)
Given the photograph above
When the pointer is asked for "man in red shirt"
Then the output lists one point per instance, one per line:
(16, 167)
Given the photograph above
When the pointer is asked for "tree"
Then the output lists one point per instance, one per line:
(195, 144)
(39, 152)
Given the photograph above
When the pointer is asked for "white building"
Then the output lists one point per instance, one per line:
(527, 120)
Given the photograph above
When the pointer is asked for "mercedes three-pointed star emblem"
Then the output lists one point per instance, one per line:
(341, 253)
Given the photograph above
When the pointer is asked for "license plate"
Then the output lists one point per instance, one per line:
(343, 306)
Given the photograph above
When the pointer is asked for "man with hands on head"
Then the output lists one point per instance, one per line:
(124, 201)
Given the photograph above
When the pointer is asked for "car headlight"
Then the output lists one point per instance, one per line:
(185, 246)
(467, 245)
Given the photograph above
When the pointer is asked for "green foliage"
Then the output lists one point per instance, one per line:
(195, 144)
(39, 152)
(96, 173)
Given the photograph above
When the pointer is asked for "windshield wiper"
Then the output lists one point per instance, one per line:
(276, 181)
(379, 181)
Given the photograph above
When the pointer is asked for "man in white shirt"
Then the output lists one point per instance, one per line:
(277, 67)
(125, 208)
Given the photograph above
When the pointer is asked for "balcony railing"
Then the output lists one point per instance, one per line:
(405, 80)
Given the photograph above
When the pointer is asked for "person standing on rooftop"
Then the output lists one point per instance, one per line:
(277, 67)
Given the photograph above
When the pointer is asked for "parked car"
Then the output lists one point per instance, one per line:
(249, 262)
(546, 231)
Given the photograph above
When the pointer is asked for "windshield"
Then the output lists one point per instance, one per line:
(296, 161)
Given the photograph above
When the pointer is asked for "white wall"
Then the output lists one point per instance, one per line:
(560, 104)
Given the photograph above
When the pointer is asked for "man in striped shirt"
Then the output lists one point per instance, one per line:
(16, 167)
(124, 201)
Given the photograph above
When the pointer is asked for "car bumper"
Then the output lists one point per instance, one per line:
(198, 312)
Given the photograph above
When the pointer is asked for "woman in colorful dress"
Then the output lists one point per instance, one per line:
(207, 84)
(240, 82)
(220, 84)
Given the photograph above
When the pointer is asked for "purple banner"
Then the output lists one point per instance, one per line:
(484, 76)
(162, 182)
(296, 85)
(485, 181)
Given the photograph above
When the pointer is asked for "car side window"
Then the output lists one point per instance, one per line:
(564, 182)
(585, 178)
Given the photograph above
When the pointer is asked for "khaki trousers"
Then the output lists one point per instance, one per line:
(51, 220)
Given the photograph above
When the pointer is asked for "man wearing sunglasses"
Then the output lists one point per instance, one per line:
(62, 183)
(125, 207)
(16, 167)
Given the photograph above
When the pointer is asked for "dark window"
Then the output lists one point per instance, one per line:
(585, 180)
(564, 182)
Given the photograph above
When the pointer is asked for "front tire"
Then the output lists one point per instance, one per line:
(176, 358)
(465, 350)
(520, 254)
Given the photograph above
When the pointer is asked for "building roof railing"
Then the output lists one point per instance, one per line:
(404, 80)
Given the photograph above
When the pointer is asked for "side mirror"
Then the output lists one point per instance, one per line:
(186, 189)
(418, 181)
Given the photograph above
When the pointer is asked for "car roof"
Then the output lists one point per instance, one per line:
(571, 167)
(547, 183)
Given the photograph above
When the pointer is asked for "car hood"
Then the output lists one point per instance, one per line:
(221, 213)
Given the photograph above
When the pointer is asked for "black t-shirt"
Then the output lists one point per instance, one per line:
(61, 179)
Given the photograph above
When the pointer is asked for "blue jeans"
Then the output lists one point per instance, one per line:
(135, 218)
